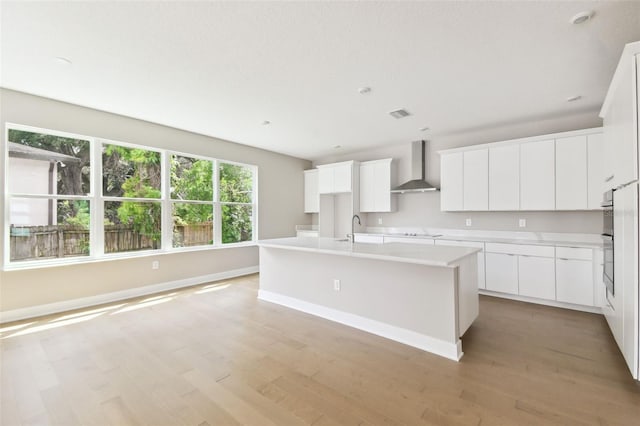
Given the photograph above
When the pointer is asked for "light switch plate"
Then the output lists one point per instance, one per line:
(468, 222)
(522, 223)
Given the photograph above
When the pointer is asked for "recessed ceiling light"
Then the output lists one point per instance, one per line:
(364, 90)
(424, 129)
(265, 123)
(63, 61)
(400, 113)
(582, 17)
(574, 98)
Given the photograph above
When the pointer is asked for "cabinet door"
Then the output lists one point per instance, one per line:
(574, 281)
(311, 197)
(595, 171)
(504, 187)
(451, 195)
(382, 186)
(621, 129)
(367, 187)
(536, 277)
(325, 180)
(342, 178)
(502, 272)
(571, 173)
(626, 282)
(537, 176)
(475, 175)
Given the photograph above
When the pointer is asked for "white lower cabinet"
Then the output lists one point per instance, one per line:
(502, 272)
(563, 274)
(574, 281)
(536, 277)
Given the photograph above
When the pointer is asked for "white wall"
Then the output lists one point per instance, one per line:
(280, 198)
(423, 209)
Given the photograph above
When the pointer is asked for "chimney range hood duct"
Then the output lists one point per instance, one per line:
(418, 182)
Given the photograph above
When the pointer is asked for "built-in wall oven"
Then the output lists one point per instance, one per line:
(607, 237)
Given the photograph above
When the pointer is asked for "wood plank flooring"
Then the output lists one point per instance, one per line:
(215, 355)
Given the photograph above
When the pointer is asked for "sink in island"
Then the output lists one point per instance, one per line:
(423, 296)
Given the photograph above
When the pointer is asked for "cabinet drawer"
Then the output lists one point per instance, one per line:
(574, 253)
(520, 249)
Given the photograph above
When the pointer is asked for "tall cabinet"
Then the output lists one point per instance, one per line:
(621, 117)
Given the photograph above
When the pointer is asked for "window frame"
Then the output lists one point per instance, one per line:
(96, 200)
(252, 204)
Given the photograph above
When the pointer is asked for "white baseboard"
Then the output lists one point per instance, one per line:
(591, 309)
(68, 305)
(448, 350)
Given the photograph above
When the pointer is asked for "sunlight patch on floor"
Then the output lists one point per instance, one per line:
(214, 287)
(52, 325)
(142, 305)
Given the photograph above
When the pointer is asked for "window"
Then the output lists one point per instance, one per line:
(131, 190)
(236, 202)
(79, 197)
(191, 201)
(49, 182)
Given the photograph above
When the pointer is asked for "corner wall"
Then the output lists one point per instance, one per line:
(280, 206)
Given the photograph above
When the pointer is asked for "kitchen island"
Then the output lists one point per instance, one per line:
(423, 296)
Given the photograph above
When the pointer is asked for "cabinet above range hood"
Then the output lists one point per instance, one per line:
(418, 172)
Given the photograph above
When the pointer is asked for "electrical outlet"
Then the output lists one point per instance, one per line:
(379, 221)
(155, 264)
(522, 223)
(468, 222)
(336, 285)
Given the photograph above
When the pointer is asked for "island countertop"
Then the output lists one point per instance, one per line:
(444, 256)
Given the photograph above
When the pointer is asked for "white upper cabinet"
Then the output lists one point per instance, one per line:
(549, 172)
(335, 178)
(621, 120)
(537, 175)
(595, 171)
(475, 185)
(571, 173)
(342, 177)
(504, 187)
(311, 194)
(451, 172)
(367, 189)
(325, 180)
(375, 186)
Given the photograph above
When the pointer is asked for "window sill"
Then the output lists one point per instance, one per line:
(39, 264)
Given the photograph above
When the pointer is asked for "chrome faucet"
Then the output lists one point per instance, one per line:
(353, 235)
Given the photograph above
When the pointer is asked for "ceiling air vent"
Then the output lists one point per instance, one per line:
(400, 113)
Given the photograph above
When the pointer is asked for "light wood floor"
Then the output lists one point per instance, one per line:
(215, 355)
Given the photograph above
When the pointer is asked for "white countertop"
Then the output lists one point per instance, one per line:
(445, 256)
(530, 238)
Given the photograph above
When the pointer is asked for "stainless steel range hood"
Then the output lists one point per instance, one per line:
(418, 182)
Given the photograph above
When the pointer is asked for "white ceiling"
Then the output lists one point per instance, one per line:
(222, 68)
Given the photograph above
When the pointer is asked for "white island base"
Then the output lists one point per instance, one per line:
(424, 296)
